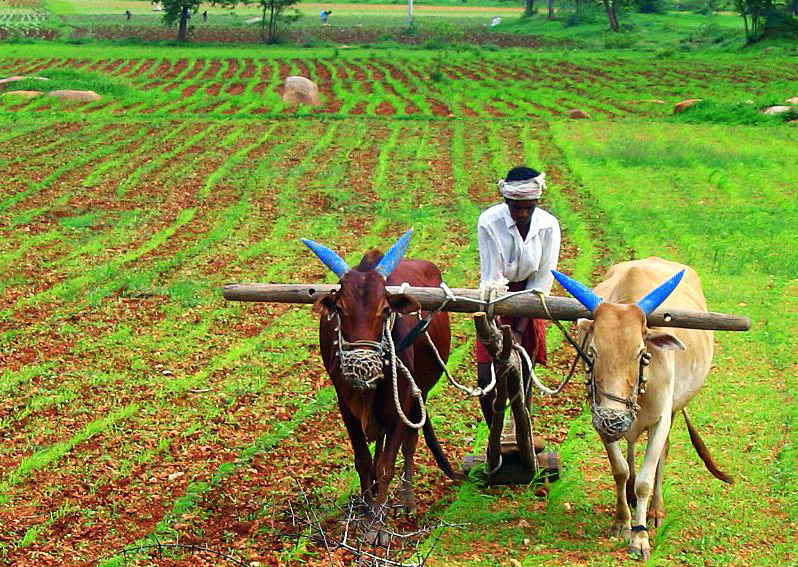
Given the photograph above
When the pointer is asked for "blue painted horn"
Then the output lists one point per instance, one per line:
(656, 297)
(582, 293)
(328, 257)
(394, 255)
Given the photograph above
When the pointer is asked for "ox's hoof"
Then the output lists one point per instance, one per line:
(639, 553)
(656, 517)
(639, 547)
(621, 530)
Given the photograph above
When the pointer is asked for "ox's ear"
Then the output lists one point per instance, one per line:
(583, 329)
(324, 305)
(584, 326)
(403, 304)
(660, 340)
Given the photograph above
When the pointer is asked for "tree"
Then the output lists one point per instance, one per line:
(275, 10)
(611, 6)
(530, 8)
(761, 17)
(180, 11)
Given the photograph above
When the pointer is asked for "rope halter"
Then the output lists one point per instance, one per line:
(361, 361)
(612, 423)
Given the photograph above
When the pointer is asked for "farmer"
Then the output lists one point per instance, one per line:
(325, 14)
(519, 244)
(128, 15)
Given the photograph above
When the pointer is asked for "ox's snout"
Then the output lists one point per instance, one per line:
(362, 367)
(611, 423)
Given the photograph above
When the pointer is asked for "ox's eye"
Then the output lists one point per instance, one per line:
(386, 311)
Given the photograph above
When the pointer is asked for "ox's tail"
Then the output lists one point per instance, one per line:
(703, 452)
(437, 452)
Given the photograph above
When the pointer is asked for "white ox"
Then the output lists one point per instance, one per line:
(640, 378)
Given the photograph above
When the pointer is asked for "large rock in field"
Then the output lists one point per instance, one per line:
(23, 94)
(83, 96)
(577, 113)
(300, 90)
(16, 78)
(792, 100)
(777, 109)
(685, 104)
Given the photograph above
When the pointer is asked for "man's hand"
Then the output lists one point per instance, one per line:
(518, 337)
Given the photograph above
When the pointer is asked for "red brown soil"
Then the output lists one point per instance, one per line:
(232, 69)
(438, 108)
(331, 105)
(212, 70)
(385, 109)
(142, 69)
(249, 69)
(128, 67)
(235, 89)
(190, 90)
(176, 69)
(195, 70)
(161, 70)
(97, 64)
(214, 89)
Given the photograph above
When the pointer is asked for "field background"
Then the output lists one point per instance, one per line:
(138, 406)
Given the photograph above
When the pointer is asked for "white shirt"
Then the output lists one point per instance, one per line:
(503, 254)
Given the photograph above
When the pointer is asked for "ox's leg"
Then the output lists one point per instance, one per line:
(363, 461)
(408, 452)
(386, 470)
(621, 526)
(657, 437)
(378, 446)
(656, 511)
(630, 483)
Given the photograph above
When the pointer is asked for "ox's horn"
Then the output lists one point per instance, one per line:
(582, 293)
(394, 255)
(328, 257)
(653, 299)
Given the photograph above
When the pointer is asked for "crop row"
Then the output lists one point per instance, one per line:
(504, 88)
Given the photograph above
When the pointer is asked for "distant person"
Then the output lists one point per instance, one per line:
(325, 15)
(495, 22)
(205, 16)
(128, 15)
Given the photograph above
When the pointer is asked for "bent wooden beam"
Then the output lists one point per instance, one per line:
(525, 305)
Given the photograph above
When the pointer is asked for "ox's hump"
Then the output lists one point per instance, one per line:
(370, 260)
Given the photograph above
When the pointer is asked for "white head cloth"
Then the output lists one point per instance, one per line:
(524, 190)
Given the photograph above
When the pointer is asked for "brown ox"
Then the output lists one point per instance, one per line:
(632, 390)
(354, 328)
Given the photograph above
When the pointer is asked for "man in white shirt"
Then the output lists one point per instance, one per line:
(518, 243)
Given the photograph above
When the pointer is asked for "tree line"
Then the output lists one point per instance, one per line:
(761, 18)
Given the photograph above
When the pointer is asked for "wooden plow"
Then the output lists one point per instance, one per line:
(515, 459)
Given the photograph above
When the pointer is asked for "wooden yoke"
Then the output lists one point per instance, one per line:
(509, 385)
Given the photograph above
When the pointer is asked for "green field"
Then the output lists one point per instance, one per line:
(140, 407)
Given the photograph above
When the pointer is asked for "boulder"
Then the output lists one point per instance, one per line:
(777, 109)
(685, 104)
(83, 96)
(16, 78)
(23, 94)
(792, 100)
(577, 113)
(300, 90)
